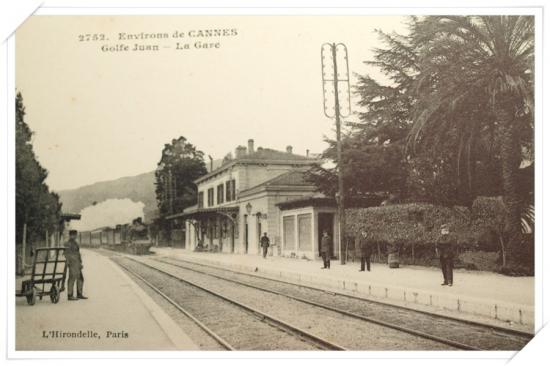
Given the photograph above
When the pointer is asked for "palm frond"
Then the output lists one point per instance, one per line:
(528, 219)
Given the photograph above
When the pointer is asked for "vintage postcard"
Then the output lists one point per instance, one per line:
(275, 182)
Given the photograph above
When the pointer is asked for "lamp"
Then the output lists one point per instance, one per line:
(248, 208)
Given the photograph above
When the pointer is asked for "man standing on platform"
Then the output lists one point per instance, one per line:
(265, 244)
(366, 251)
(445, 248)
(74, 262)
(326, 244)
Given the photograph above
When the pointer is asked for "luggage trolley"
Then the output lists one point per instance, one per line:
(49, 269)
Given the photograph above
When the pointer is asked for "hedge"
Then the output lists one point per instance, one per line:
(413, 229)
(406, 223)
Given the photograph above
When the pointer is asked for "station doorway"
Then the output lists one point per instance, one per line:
(325, 222)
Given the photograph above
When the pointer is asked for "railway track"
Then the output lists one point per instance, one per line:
(241, 327)
(347, 332)
(459, 334)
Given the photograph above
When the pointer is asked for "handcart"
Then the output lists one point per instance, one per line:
(49, 269)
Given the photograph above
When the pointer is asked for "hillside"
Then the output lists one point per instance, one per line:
(139, 188)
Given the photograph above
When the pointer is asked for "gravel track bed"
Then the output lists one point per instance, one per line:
(238, 327)
(348, 332)
(202, 339)
(475, 335)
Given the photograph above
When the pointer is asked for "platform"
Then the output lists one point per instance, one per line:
(118, 315)
(475, 295)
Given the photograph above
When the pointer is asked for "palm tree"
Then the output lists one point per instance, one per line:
(476, 83)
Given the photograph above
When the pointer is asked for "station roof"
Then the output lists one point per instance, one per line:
(263, 156)
(294, 180)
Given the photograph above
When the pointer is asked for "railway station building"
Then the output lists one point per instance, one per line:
(260, 190)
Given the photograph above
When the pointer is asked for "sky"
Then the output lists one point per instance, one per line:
(100, 112)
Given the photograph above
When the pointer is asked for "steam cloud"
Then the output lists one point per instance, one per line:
(108, 213)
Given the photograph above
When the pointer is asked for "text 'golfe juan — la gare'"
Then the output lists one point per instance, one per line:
(183, 40)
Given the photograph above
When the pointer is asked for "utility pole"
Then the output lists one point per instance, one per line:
(337, 83)
(24, 247)
(170, 191)
(174, 192)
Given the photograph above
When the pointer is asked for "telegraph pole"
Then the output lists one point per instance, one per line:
(169, 190)
(331, 55)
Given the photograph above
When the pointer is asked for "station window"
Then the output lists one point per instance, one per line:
(200, 200)
(289, 242)
(304, 232)
(219, 197)
(230, 190)
(210, 197)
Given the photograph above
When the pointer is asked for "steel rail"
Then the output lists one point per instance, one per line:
(495, 328)
(281, 324)
(210, 332)
(445, 341)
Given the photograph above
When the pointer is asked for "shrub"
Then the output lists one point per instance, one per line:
(517, 270)
(480, 260)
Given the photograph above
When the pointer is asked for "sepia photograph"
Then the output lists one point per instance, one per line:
(274, 182)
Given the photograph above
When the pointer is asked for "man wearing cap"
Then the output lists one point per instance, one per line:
(74, 262)
(326, 245)
(445, 248)
(365, 251)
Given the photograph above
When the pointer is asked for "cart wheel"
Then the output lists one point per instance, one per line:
(54, 294)
(31, 296)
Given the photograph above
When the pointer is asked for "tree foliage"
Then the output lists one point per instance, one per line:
(180, 164)
(458, 102)
(475, 88)
(368, 168)
(35, 205)
(435, 108)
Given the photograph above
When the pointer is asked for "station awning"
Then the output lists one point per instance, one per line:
(70, 216)
(306, 202)
(311, 201)
(199, 213)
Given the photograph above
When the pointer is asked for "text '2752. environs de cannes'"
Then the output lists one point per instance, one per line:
(178, 40)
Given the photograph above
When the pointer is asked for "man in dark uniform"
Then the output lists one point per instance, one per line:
(326, 244)
(74, 262)
(366, 251)
(445, 248)
(265, 244)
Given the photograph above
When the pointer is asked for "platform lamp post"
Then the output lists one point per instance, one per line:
(246, 238)
(336, 104)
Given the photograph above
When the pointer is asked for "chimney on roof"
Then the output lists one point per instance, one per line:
(289, 149)
(307, 153)
(250, 146)
(240, 152)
